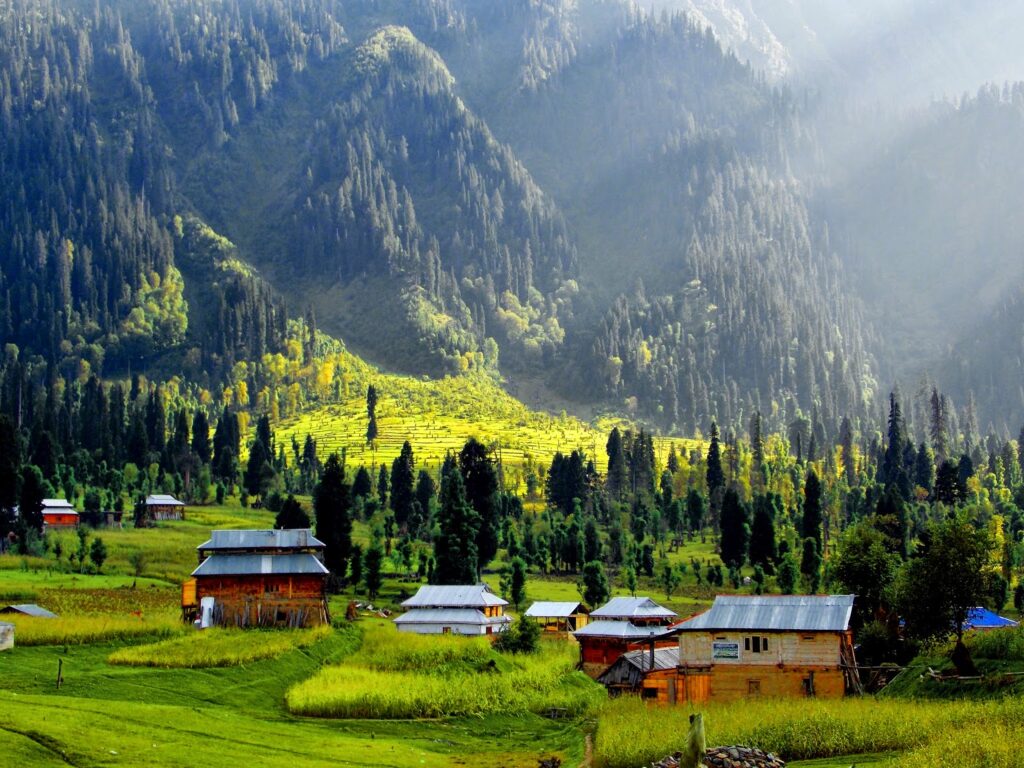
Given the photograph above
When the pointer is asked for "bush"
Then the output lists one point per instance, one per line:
(523, 636)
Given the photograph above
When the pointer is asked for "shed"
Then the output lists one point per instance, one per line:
(559, 617)
(59, 513)
(160, 506)
(6, 636)
(648, 672)
(460, 609)
(259, 578)
(753, 645)
(29, 609)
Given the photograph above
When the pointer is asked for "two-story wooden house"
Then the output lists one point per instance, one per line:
(459, 609)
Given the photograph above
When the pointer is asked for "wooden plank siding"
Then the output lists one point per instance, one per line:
(266, 599)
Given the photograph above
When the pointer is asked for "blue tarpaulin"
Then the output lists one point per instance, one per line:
(983, 618)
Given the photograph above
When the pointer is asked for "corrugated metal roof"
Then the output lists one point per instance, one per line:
(548, 610)
(783, 613)
(288, 538)
(164, 500)
(29, 609)
(453, 596)
(449, 616)
(60, 504)
(620, 629)
(632, 608)
(664, 658)
(249, 565)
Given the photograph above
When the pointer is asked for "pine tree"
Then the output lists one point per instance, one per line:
(455, 549)
(594, 586)
(846, 443)
(371, 414)
(615, 478)
(30, 498)
(763, 547)
(333, 517)
(362, 486)
(735, 530)
(10, 466)
(481, 487)
(292, 515)
(382, 486)
(811, 525)
(810, 565)
(715, 475)
(374, 576)
(201, 437)
(402, 477)
(938, 428)
(757, 444)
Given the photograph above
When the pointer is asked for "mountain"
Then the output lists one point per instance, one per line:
(598, 203)
(894, 52)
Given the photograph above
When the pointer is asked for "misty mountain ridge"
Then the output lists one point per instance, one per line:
(577, 192)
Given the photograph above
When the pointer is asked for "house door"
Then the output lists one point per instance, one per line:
(672, 690)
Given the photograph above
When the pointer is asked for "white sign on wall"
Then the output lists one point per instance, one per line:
(721, 650)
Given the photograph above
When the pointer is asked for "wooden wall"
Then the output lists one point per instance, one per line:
(266, 599)
(798, 648)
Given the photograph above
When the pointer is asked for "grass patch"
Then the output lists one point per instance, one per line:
(79, 630)
(399, 675)
(630, 733)
(218, 648)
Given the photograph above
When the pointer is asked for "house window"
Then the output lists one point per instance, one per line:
(650, 693)
(753, 687)
(755, 644)
(446, 630)
(272, 588)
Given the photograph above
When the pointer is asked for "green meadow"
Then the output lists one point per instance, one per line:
(140, 688)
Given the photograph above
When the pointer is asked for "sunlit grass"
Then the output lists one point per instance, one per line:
(78, 630)
(399, 675)
(217, 648)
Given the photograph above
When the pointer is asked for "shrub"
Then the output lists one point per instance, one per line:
(522, 637)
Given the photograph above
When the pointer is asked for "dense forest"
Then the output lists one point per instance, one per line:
(586, 195)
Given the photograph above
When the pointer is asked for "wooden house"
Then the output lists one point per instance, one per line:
(777, 646)
(454, 609)
(163, 507)
(621, 625)
(6, 636)
(258, 578)
(559, 617)
(59, 513)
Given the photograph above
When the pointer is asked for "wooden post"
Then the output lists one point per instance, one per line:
(60, 673)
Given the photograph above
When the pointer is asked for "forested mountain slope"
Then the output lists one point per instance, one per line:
(575, 191)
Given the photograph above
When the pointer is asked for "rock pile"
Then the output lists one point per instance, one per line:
(729, 757)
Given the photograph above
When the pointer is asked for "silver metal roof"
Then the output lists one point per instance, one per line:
(782, 613)
(163, 499)
(546, 610)
(632, 608)
(288, 538)
(664, 658)
(61, 504)
(29, 609)
(449, 616)
(620, 629)
(250, 565)
(454, 596)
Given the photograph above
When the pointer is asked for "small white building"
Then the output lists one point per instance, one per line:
(6, 636)
(454, 610)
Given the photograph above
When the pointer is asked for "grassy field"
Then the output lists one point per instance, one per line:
(405, 676)
(968, 734)
(217, 648)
